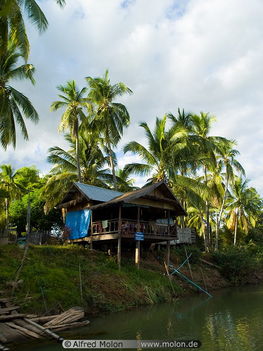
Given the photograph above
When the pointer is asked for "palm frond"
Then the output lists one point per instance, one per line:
(138, 168)
(139, 149)
(25, 104)
(36, 15)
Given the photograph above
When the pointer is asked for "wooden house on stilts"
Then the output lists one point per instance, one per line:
(134, 219)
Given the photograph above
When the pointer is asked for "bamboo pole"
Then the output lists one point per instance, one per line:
(80, 285)
(45, 330)
(204, 281)
(119, 239)
(169, 277)
(188, 262)
(9, 317)
(23, 330)
(43, 297)
(20, 268)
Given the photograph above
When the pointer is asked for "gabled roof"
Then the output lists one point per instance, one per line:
(145, 191)
(92, 192)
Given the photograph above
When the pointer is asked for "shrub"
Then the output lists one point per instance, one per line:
(236, 263)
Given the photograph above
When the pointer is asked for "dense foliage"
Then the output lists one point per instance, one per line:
(238, 263)
(202, 169)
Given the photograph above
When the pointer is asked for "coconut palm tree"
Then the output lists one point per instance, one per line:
(157, 154)
(181, 122)
(93, 167)
(124, 181)
(196, 219)
(244, 207)
(229, 166)
(73, 101)
(9, 188)
(110, 117)
(208, 147)
(12, 23)
(14, 106)
(165, 157)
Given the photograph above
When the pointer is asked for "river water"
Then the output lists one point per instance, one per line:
(232, 320)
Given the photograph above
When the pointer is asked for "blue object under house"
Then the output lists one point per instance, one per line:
(78, 223)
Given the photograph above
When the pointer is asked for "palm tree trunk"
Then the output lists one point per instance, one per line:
(7, 214)
(207, 226)
(112, 166)
(235, 231)
(217, 232)
(220, 215)
(77, 152)
(207, 232)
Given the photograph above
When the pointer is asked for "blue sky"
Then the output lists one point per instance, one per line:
(198, 55)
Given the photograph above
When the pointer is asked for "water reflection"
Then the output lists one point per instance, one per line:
(230, 321)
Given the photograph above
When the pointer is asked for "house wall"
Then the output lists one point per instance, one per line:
(152, 203)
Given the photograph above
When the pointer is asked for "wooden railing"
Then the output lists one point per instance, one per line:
(105, 227)
(129, 227)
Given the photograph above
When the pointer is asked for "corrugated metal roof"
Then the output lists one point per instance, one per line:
(132, 195)
(96, 193)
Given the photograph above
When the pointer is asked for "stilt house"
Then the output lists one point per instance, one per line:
(101, 216)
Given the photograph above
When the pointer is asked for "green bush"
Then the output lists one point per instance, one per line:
(236, 263)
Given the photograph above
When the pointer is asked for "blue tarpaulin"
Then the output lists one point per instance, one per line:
(77, 223)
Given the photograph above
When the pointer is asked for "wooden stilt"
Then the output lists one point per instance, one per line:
(91, 231)
(168, 253)
(138, 243)
(137, 253)
(119, 239)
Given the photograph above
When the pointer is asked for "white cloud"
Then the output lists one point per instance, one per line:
(197, 54)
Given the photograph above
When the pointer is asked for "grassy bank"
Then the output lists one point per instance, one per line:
(57, 278)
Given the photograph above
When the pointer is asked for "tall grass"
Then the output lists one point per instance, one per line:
(51, 280)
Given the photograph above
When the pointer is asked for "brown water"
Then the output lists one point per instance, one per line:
(230, 321)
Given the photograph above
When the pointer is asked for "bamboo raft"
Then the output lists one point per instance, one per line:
(16, 326)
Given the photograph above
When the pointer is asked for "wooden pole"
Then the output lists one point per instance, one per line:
(28, 218)
(138, 243)
(168, 253)
(189, 265)
(137, 253)
(80, 285)
(45, 330)
(169, 277)
(204, 281)
(43, 297)
(20, 268)
(91, 230)
(119, 239)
